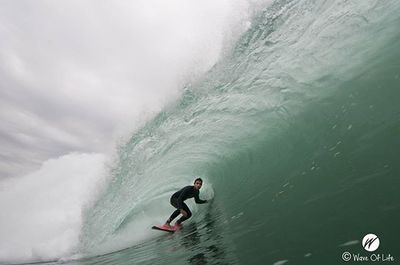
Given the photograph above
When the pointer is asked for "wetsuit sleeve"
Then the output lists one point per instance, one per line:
(197, 199)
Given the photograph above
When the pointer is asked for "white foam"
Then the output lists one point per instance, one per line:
(42, 211)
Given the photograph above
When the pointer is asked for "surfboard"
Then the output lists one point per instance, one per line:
(164, 228)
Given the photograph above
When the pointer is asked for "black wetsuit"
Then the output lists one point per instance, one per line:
(178, 198)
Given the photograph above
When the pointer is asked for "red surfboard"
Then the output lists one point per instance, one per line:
(165, 228)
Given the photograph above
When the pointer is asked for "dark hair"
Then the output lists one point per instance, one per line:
(198, 179)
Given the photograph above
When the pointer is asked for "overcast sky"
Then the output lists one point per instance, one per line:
(76, 75)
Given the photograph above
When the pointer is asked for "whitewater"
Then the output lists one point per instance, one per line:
(294, 129)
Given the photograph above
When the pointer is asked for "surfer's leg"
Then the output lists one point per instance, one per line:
(173, 216)
(174, 202)
(188, 214)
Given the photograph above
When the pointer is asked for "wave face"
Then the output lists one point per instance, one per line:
(296, 132)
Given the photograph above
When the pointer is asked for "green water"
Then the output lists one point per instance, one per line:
(297, 137)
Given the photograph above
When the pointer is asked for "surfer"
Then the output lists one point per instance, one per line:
(178, 198)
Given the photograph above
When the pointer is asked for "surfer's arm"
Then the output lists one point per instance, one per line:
(197, 199)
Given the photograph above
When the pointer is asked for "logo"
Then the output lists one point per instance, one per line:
(370, 242)
(346, 256)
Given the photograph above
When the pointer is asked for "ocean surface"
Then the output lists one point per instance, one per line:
(296, 133)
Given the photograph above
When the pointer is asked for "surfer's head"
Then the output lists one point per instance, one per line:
(198, 183)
